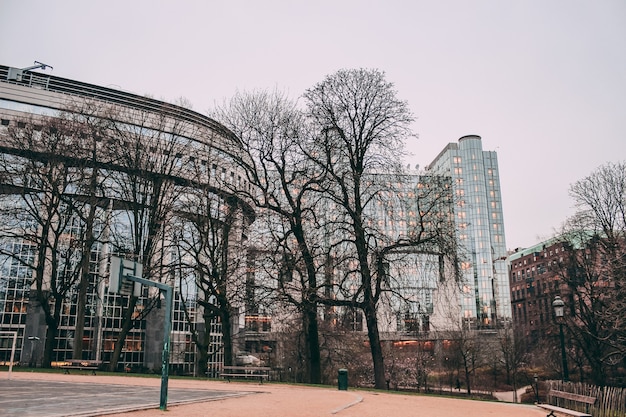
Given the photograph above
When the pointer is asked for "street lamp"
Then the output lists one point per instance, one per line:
(536, 378)
(33, 339)
(559, 308)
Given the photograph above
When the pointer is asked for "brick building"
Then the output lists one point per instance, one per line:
(534, 281)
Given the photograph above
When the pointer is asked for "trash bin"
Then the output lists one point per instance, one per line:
(342, 379)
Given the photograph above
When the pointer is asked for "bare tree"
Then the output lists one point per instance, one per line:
(284, 186)
(593, 269)
(465, 350)
(513, 354)
(148, 151)
(209, 240)
(44, 181)
(361, 127)
(89, 188)
(321, 178)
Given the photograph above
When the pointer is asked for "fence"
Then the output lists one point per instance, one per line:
(611, 401)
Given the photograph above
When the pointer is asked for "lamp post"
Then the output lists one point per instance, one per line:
(33, 339)
(559, 308)
(536, 378)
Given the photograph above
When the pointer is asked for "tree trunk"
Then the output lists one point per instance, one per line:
(127, 326)
(312, 353)
(369, 301)
(79, 330)
(373, 335)
(52, 330)
(83, 285)
(467, 376)
(227, 336)
(51, 336)
(203, 341)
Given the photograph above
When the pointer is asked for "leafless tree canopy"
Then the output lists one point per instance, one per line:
(286, 187)
(594, 271)
(360, 128)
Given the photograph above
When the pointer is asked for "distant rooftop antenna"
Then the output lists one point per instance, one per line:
(16, 74)
(38, 65)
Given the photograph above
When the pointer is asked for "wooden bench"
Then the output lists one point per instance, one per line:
(246, 372)
(80, 364)
(568, 396)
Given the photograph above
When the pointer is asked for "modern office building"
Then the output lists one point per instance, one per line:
(428, 294)
(484, 299)
(127, 168)
(200, 155)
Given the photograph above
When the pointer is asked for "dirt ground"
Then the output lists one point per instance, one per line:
(278, 400)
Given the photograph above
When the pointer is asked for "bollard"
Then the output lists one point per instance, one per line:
(342, 379)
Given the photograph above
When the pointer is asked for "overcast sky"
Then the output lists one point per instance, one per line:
(542, 82)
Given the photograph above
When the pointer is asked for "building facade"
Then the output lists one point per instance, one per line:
(127, 169)
(484, 300)
(200, 156)
(534, 276)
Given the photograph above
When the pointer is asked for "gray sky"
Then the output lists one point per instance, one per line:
(543, 82)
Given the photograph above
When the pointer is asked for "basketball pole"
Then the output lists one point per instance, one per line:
(165, 358)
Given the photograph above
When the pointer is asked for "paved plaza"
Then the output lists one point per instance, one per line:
(24, 398)
(34, 394)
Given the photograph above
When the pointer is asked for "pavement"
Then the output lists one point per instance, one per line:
(509, 396)
(36, 398)
(34, 394)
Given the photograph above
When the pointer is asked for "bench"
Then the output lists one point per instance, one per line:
(80, 364)
(246, 372)
(568, 396)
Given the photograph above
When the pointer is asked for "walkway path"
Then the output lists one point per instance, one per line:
(272, 400)
(508, 395)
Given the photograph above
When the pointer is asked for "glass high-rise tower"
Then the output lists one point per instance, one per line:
(484, 296)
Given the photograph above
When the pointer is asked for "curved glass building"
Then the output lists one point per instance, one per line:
(90, 169)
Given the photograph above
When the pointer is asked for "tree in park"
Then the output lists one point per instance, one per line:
(285, 188)
(513, 354)
(208, 232)
(146, 149)
(360, 128)
(89, 199)
(55, 209)
(593, 270)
